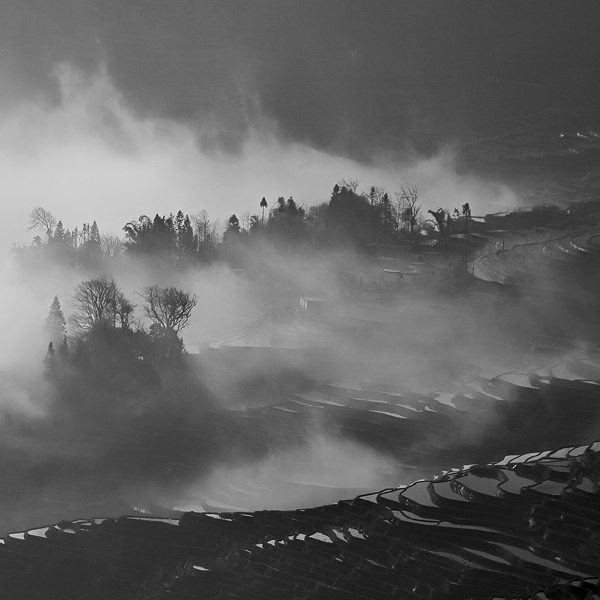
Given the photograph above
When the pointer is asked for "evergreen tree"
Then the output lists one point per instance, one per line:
(255, 225)
(50, 361)
(466, 212)
(58, 244)
(286, 223)
(95, 233)
(350, 218)
(387, 224)
(152, 237)
(55, 322)
(233, 227)
(185, 235)
(63, 351)
(263, 205)
(59, 231)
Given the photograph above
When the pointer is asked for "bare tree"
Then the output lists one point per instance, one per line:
(99, 300)
(408, 198)
(123, 309)
(205, 228)
(112, 245)
(350, 184)
(168, 308)
(376, 194)
(245, 220)
(40, 218)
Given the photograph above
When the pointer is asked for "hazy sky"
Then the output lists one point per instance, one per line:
(109, 109)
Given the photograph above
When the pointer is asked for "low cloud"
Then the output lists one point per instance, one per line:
(91, 157)
(318, 471)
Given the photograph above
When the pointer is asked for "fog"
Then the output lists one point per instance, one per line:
(90, 156)
(72, 455)
(400, 78)
(320, 467)
(77, 451)
(94, 134)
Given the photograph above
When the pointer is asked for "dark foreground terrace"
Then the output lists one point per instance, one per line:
(524, 527)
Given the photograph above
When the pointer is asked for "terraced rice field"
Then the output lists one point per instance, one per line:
(511, 512)
(524, 527)
(555, 261)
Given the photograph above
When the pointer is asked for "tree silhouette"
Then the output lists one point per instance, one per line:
(168, 308)
(40, 218)
(263, 205)
(442, 219)
(55, 325)
(95, 233)
(100, 301)
(151, 237)
(408, 196)
(351, 218)
(233, 225)
(111, 245)
(286, 223)
(206, 236)
(50, 361)
(466, 213)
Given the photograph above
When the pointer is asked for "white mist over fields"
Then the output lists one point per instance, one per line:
(90, 157)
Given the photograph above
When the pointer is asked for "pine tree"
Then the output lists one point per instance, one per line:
(55, 322)
(62, 354)
(50, 361)
(95, 233)
(59, 231)
(263, 205)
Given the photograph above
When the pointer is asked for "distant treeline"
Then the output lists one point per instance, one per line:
(349, 219)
